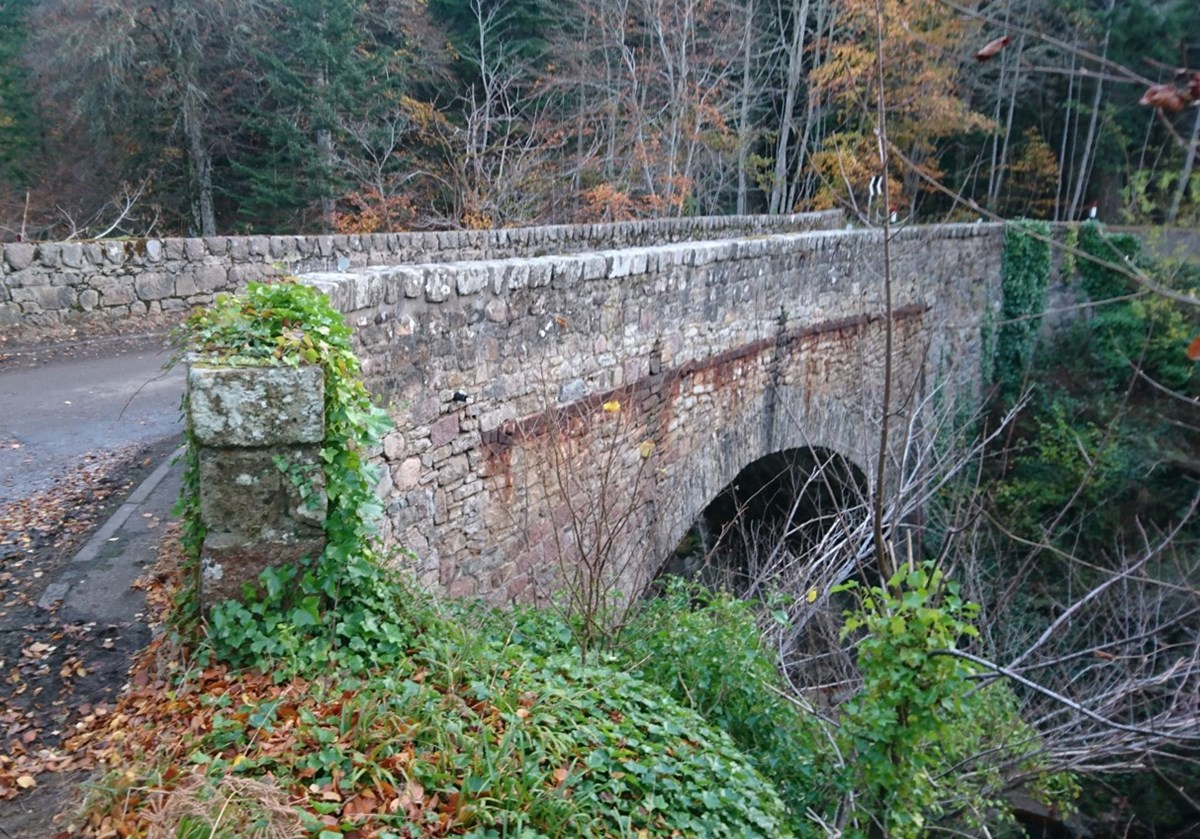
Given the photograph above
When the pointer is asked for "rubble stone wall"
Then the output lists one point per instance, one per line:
(542, 401)
(55, 290)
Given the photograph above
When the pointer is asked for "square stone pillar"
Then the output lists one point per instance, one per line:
(259, 432)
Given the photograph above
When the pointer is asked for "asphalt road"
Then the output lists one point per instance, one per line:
(57, 405)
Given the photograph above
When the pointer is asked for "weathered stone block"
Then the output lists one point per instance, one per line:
(211, 278)
(472, 279)
(256, 406)
(46, 298)
(113, 253)
(18, 255)
(244, 491)
(444, 430)
(228, 563)
(407, 475)
(72, 255)
(185, 286)
(154, 286)
(437, 286)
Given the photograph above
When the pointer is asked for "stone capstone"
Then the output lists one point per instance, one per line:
(256, 406)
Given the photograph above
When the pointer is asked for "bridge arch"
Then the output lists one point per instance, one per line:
(783, 424)
(768, 519)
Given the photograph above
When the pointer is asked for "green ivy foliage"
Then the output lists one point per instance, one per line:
(1105, 279)
(705, 648)
(342, 605)
(1025, 275)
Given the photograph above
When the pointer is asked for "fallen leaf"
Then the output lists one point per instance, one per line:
(26, 782)
(992, 48)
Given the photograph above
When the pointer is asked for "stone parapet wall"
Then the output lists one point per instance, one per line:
(51, 291)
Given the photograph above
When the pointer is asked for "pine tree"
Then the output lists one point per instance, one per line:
(18, 123)
(324, 64)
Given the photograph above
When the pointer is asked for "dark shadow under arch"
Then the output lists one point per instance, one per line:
(782, 502)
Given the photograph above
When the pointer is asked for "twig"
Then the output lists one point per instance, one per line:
(1058, 697)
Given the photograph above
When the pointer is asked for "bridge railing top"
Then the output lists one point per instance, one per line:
(304, 253)
(437, 282)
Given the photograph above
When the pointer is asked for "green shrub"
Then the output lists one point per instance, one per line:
(1147, 334)
(705, 648)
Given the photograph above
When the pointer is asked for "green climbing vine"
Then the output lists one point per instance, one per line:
(1025, 276)
(342, 605)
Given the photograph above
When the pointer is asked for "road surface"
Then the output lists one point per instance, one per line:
(56, 407)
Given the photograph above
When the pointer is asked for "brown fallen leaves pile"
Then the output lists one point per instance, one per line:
(153, 759)
(55, 516)
(29, 733)
(157, 720)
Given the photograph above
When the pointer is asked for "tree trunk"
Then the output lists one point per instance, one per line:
(1060, 186)
(201, 160)
(1186, 175)
(1088, 157)
(744, 110)
(325, 156)
(795, 73)
(999, 163)
(813, 122)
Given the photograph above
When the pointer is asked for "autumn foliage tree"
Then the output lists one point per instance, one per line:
(922, 42)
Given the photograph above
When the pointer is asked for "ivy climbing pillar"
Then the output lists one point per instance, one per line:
(257, 433)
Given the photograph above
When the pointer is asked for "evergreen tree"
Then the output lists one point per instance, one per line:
(325, 65)
(18, 131)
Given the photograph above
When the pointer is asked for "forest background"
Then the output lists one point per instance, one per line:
(197, 117)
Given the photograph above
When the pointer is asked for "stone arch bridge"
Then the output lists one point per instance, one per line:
(536, 396)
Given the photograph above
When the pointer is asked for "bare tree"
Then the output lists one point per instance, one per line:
(122, 67)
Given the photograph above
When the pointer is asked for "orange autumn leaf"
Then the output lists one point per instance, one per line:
(1193, 350)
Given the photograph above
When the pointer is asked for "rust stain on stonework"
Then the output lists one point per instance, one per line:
(658, 391)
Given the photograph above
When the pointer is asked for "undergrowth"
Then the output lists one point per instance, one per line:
(379, 711)
(355, 705)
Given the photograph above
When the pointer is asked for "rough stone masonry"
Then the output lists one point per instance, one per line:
(539, 400)
(55, 290)
(580, 410)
